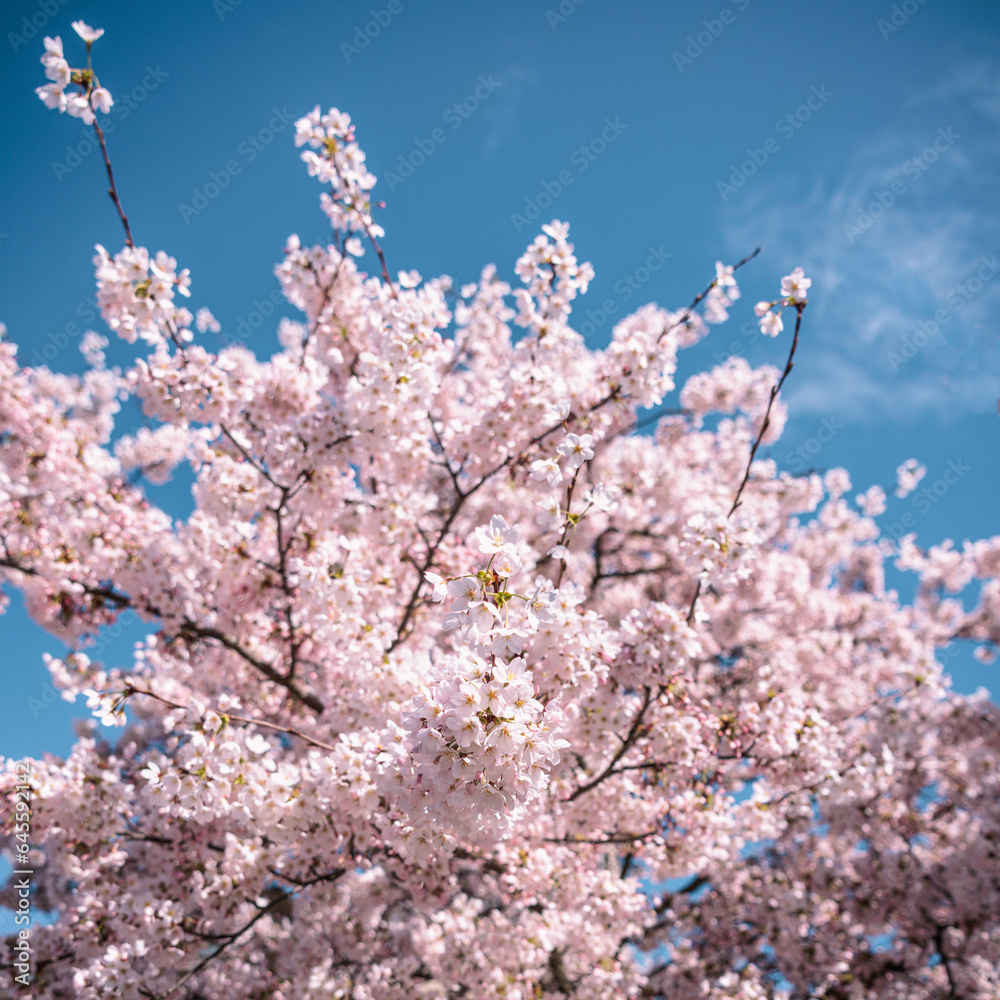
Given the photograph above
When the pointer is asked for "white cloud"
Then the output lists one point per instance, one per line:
(879, 274)
(502, 112)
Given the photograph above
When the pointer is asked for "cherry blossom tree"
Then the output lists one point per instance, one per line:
(457, 685)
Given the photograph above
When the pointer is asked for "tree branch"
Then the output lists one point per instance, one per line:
(233, 937)
(627, 743)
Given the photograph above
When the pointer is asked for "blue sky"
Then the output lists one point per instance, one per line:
(858, 139)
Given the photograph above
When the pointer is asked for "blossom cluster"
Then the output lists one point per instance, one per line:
(723, 293)
(135, 293)
(91, 96)
(553, 278)
(794, 292)
(481, 742)
(341, 164)
(908, 476)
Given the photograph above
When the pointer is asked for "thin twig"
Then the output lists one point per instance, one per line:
(789, 364)
(686, 315)
(187, 628)
(412, 603)
(113, 189)
(205, 632)
(627, 744)
(311, 740)
(232, 938)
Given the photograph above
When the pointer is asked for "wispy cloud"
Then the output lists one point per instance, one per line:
(502, 114)
(901, 236)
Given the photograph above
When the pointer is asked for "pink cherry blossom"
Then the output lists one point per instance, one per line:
(455, 685)
(771, 324)
(497, 535)
(86, 32)
(908, 475)
(795, 286)
(577, 448)
(506, 563)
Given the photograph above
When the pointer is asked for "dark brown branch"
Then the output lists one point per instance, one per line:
(284, 546)
(452, 474)
(230, 939)
(188, 628)
(248, 457)
(229, 716)
(693, 885)
(789, 364)
(461, 497)
(371, 236)
(411, 605)
(694, 601)
(324, 302)
(113, 189)
(624, 573)
(624, 838)
(563, 540)
(205, 632)
(627, 743)
(560, 980)
(694, 305)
